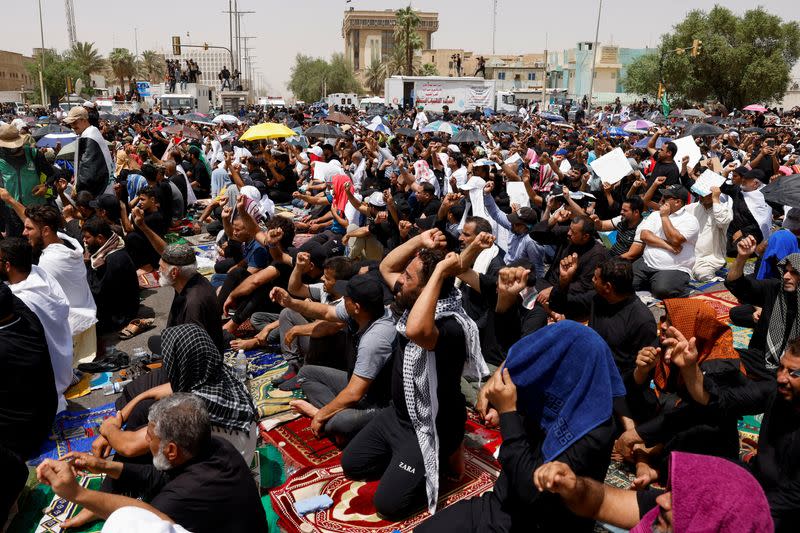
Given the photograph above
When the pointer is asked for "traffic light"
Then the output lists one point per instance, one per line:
(176, 45)
(205, 46)
(70, 86)
(697, 45)
(660, 91)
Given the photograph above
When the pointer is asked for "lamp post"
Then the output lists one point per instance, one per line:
(594, 54)
(41, 59)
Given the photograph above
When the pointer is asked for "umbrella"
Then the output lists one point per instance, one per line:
(408, 132)
(110, 117)
(504, 127)
(50, 128)
(617, 132)
(661, 141)
(785, 191)
(324, 131)
(693, 113)
(552, 117)
(379, 127)
(267, 130)
(439, 126)
(638, 126)
(757, 108)
(52, 139)
(468, 136)
(563, 125)
(339, 118)
(676, 113)
(754, 129)
(68, 152)
(682, 124)
(183, 130)
(715, 119)
(703, 130)
(739, 121)
(226, 119)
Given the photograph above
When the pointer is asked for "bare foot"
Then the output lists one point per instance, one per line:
(645, 474)
(304, 408)
(231, 327)
(80, 519)
(456, 464)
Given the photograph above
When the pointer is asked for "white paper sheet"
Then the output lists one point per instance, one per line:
(517, 193)
(687, 146)
(565, 166)
(612, 167)
(513, 159)
(708, 179)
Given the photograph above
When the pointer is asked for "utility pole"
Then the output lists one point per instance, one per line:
(136, 42)
(243, 72)
(594, 55)
(544, 80)
(230, 23)
(41, 59)
(494, 24)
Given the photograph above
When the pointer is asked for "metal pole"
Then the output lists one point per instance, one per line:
(238, 44)
(230, 26)
(41, 59)
(594, 55)
(136, 42)
(544, 81)
(494, 24)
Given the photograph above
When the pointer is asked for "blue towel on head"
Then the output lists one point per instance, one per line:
(780, 244)
(566, 379)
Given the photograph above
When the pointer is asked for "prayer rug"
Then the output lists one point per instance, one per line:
(722, 302)
(353, 510)
(73, 431)
(749, 428)
(262, 368)
(41, 511)
(299, 447)
(741, 336)
(149, 280)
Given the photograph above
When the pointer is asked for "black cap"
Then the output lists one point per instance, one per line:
(108, 202)
(523, 215)
(742, 170)
(179, 255)
(321, 253)
(675, 191)
(85, 199)
(362, 289)
(754, 174)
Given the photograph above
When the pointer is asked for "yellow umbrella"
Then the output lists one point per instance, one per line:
(267, 130)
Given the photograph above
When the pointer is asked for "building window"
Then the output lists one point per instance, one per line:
(613, 75)
(501, 75)
(531, 76)
(387, 44)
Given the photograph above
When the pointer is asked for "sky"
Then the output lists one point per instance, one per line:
(313, 27)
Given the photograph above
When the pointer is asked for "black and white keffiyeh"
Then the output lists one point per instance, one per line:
(776, 333)
(194, 364)
(420, 385)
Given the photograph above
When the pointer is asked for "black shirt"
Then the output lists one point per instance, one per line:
(201, 176)
(289, 182)
(115, 288)
(625, 237)
(670, 170)
(197, 304)
(451, 353)
(212, 492)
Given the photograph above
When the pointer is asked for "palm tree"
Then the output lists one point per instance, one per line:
(428, 69)
(87, 60)
(374, 76)
(123, 65)
(406, 37)
(152, 66)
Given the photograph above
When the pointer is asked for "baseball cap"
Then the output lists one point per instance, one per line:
(321, 253)
(483, 162)
(453, 148)
(561, 151)
(376, 199)
(523, 215)
(76, 113)
(362, 289)
(675, 191)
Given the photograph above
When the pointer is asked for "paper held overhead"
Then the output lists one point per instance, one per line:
(686, 146)
(517, 193)
(612, 167)
(707, 180)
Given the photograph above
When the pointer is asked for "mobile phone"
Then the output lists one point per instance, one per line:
(771, 143)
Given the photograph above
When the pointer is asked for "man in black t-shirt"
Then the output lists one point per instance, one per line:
(146, 213)
(407, 445)
(282, 181)
(665, 163)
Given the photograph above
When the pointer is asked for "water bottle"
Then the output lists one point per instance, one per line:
(114, 387)
(139, 355)
(240, 366)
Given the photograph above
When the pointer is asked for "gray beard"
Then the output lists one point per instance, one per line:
(160, 462)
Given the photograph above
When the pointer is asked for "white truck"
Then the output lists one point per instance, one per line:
(195, 97)
(342, 99)
(433, 92)
(271, 101)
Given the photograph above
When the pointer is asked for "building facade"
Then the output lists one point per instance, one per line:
(14, 75)
(210, 63)
(510, 71)
(369, 35)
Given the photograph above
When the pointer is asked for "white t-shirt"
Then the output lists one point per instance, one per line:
(660, 259)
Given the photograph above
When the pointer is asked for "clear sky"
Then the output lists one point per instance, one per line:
(285, 28)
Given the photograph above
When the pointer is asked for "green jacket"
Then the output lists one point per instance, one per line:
(20, 183)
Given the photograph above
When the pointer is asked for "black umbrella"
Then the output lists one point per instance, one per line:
(740, 121)
(38, 133)
(192, 117)
(408, 132)
(323, 131)
(504, 127)
(110, 117)
(682, 124)
(468, 136)
(784, 191)
(760, 131)
(714, 119)
(703, 130)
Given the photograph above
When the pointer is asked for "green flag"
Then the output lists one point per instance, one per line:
(664, 104)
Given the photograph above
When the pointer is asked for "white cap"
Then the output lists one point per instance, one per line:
(19, 124)
(376, 199)
(138, 520)
(316, 150)
(454, 148)
(88, 104)
(475, 182)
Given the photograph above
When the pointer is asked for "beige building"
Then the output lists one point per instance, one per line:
(369, 35)
(510, 71)
(14, 75)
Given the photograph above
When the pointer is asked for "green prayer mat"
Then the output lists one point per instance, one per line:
(37, 499)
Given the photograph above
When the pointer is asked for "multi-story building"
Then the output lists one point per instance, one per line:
(15, 79)
(210, 63)
(369, 35)
(510, 71)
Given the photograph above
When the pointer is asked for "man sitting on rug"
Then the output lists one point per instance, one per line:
(340, 402)
(777, 298)
(404, 444)
(26, 411)
(555, 399)
(198, 481)
(705, 494)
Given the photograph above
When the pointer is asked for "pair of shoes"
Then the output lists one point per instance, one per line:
(113, 361)
(291, 373)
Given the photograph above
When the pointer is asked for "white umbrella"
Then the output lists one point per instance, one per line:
(227, 119)
(379, 127)
(638, 126)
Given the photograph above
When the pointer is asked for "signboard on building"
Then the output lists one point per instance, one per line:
(609, 54)
(454, 95)
(143, 87)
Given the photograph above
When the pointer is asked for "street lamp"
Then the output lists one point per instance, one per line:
(41, 59)
(594, 53)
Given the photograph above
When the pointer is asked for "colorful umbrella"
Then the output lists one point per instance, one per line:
(440, 126)
(267, 130)
(379, 127)
(756, 108)
(551, 117)
(52, 139)
(638, 126)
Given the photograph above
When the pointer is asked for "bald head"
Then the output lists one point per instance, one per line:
(169, 167)
(357, 157)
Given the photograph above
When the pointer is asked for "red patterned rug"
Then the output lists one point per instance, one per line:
(299, 447)
(722, 302)
(353, 510)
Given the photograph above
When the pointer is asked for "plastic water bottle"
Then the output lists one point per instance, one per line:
(139, 355)
(240, 366)
(114, 387)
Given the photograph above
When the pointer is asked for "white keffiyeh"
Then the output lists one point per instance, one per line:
(420, 385)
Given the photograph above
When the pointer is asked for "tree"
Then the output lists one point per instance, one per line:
(152, 66)
(406, 37)
(86, 59)
(311, 76)
(57, 68)
(123, 65)
(742, 60)
(428, 69)
(375, 76)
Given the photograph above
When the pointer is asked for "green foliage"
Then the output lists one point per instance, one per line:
(743, 60)
(123, 65)
(152, 66)
(87, 59)
(311, 75)
(374, 77)
(428, 69)
(406, 36)
(57, 68)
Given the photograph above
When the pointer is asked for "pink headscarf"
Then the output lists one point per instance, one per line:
(712, 494)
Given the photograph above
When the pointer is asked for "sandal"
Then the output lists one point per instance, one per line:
(137, 325)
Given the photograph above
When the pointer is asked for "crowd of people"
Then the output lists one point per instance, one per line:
(393, 271)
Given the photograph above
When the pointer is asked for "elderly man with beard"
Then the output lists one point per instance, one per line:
(197, 481)
(777, 298)
(405, 443)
